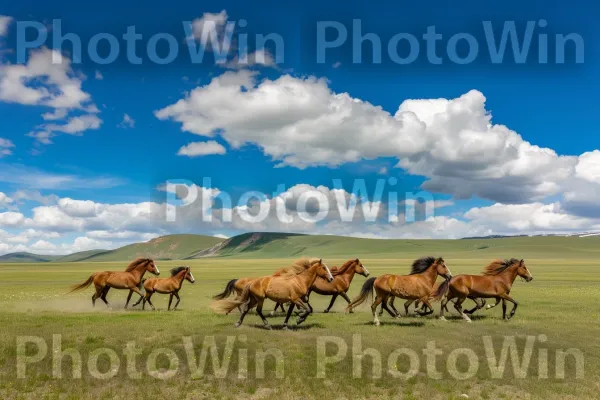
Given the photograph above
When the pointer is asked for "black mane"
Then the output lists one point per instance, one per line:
(422, 264)
(177, 270)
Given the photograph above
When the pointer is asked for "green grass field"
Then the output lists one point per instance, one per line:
(562, 303)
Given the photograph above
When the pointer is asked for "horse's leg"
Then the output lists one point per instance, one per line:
(385, 305)
(96, 295)
(391, 304)
(345, 296)
(477, 306)
(259, 306)
(503, 309)
(128, 298)
(407, 304)
(176, 294)
(458, 307)
(307, 310)
(506, 297)
(305, 299)
(498, 300)
(247, 307)
(138, 302)
(331, 304)
(149, 301)
(170, 301)
(426, 304)
(376, 303)
(103, 295)
(287, 318)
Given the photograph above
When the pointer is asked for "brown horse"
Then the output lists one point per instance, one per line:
(496, 282)
(129, 279)
(342, 278)
(416, 286)
(408, 303)
(170, 286)
(291, 285)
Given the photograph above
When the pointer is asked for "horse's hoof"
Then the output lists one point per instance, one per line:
(325, 311)
(272, 314)
(268, 327)
(443, 319)
(238, 324)
(285, 328)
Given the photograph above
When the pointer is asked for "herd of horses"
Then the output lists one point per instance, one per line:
(294, 284)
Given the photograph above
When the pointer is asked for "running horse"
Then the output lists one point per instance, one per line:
(128, 279)
(342, 278)
(496, 282)
(416, 286)
(291, 285)
(170, 286)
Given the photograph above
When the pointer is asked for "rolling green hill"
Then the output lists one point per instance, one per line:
(283, 245)
(25, 258)
(277, 245)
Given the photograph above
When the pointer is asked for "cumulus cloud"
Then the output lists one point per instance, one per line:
(301, 122)
(207, 25)
(197, 149)
(48, 80)
(5, 201)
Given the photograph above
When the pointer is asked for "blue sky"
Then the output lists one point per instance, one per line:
(500, 148)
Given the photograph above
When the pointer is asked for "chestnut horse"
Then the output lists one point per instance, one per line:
(342, 278)
(408, 303)
(291, 285)
(416, 286)
(496, 282)
(170, 286)
(129, 279)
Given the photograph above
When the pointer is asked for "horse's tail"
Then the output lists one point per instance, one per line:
(229, 289)
(225, 306)
(442, 291)
(365, 292)
(83, 285)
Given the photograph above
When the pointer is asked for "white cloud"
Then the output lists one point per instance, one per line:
(259, 57)
(48, 80)
(98, 75)
(127, 122)
(209, 24)
(9, 219)
(201, 149)
(301, 123)
(588, 167)
(5, 21)
(5, 200)
(6, 147)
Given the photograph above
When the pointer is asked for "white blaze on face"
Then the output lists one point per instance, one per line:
(329, 276)
(192, 276)
(449, 272)
(157, 270)
(366, 270)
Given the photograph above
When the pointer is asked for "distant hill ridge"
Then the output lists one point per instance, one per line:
(287, 245)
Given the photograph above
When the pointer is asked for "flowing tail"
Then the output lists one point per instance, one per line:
(365, 292)
(83, 285)
(442, 291)
(225, 306)
(229, 289)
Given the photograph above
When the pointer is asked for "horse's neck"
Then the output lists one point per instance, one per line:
(431, 275)
(139, 272)
(310, 276)
(180, 278)
(349, 273)
(509, 275)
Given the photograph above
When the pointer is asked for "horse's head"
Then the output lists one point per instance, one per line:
(523, 272)
(152, 268)
(188, 275)
(360, 269)
(442, 268)
(323, 271)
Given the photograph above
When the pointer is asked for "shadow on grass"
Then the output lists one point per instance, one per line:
(395, 323)
(292, 327)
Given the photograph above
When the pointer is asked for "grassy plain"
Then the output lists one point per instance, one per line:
(562, 303)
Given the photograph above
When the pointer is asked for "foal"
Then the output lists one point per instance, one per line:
(170, 286)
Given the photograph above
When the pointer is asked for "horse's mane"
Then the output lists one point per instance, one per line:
(498, 266)
(136, 264)
(297, 267)
(340, 270)
(421, 265)
(177, 270)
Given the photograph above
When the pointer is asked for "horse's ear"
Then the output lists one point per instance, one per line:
(357, 260)
(321, 261)
(521, 262)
